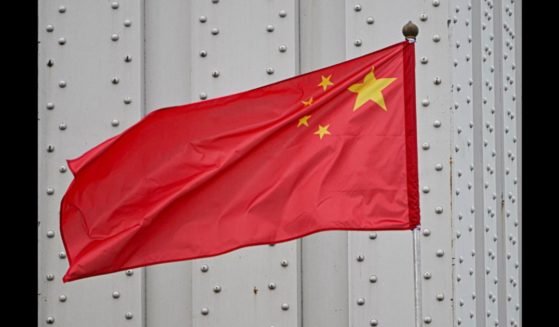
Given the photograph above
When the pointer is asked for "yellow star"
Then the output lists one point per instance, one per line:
(304, 121)
(325, 82)
(308, 102)
(370, 89)
(322, 130)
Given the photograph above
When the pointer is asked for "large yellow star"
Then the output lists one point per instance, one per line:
(370, 89)
(322, 130)
(304, 121)
(325, 82)
(308, 102)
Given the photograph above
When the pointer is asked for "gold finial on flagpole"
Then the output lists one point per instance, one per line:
(410, 31)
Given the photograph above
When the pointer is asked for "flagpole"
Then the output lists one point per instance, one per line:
(410, 32)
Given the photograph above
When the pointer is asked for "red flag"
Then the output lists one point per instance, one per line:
(333, 149)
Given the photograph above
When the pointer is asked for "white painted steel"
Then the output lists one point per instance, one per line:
(241, 49)
(167, 51)
(324, 255)
(463, 165)
(510, 156)
(321, 279)
(84, 60)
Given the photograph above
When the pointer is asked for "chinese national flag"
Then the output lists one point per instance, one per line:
(333, 149)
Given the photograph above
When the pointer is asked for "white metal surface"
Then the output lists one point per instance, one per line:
(79, 106)
(321, 279)
(463, 165)
(241, 47)
(168, 287)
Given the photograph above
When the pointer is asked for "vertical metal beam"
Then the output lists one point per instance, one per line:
(389, 255)
(235, 46)
(464, 167)
(518, 79)
(324, 255)
(90, 88)
(167, 83)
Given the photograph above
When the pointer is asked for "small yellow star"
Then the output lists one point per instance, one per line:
(322, 130)
(325, 82)
(304, 121)
(370, 89)
(308, 102)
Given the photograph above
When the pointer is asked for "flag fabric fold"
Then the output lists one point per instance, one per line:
(332, 149)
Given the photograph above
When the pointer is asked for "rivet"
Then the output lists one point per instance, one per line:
(427, 275)
(285, 306)
(62, 255)
(115, 122)
(458, 234)
(203, 95)
(115, 80)
(284, 263)
(62, 9)
(270, 28)
(426, 232)
(62, 298)
(127, 23)
(424, 60)
(127, 100)
(425, 146)
(116, 295)
(370, 20)
(215, 74)
(269, 70)
(437, 80)
(425, 102)
(50, 277)
(205, 311)
(440, 297)
(50, 28)
(129, 273)
(357, 7)
(282, 48)
(374, 322)
(50, 234)
(50, 148)
(50, 63)
(373, 279)
(457, 44)
(50, 191)
(439, 253)
(360, 258)
(423, 17)
(426, 189)
(114, 5)
(203, 53)
(215, 1)
(360, 301)
(427, 319)
(438, 167)
(438, 210)
(272, 286)
(62, 84)
(215, 31)
(204, 268)
(373, 236)
(129, 315)
(436, 3)
(357, 43)
(50, 320)
(282, 13)
(114, 37)
(217, 288)
(437, 123)
(128, 58)
(436, 38)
